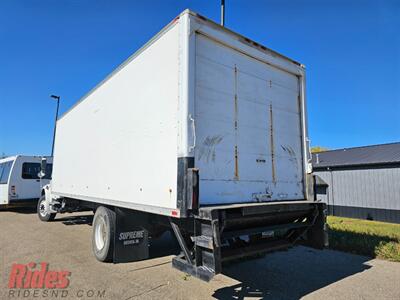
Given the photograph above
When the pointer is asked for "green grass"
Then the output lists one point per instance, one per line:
(371, 238)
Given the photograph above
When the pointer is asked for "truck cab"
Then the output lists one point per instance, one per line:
(20, 184)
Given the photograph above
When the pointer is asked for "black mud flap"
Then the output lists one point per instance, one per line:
(131, 239)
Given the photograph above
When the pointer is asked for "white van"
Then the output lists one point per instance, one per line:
(19, 180)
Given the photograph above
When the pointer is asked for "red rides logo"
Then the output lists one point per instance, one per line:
(37, 276)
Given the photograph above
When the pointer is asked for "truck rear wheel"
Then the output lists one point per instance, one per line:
(42, 211)
(103, 234)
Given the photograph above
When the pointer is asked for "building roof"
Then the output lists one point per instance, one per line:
(384, 154)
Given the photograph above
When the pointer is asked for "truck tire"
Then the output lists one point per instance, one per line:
(103, 234)
(43, 214)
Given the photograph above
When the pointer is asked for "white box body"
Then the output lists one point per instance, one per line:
(195, 91)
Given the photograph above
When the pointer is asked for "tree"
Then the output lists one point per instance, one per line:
(316, 149)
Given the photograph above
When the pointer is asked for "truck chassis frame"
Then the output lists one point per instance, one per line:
(213, 235)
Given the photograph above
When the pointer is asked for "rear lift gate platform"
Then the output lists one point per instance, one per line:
(223, 233)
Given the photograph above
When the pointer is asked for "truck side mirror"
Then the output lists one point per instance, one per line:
(43, 164)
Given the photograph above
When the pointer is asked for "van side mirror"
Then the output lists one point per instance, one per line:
(43, 164)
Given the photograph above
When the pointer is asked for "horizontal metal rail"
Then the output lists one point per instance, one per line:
(237, 233)
(236, 253)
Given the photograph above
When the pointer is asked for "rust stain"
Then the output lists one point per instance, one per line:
(272, 144)
(236, 112)
(236, 100)
(236, 163)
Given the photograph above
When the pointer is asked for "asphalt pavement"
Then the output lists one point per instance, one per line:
(65, 244)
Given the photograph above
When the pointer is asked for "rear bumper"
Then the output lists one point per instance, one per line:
(229, 232)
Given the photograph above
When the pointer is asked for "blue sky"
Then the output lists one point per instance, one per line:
(351, 50)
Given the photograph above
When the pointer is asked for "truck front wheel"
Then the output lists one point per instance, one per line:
(43, 212)
(103, 234)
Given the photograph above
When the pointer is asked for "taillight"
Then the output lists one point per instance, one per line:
(13, 190)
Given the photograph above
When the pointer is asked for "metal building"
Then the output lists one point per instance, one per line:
(363, 182)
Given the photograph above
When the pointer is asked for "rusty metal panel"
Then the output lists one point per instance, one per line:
(248, 128)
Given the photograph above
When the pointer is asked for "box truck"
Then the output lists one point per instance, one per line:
(20, 180)
(202, 131)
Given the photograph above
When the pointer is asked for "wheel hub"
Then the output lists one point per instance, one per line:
(42, 208)
(100, 236)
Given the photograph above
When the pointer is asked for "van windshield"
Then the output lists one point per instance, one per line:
(5, 169)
